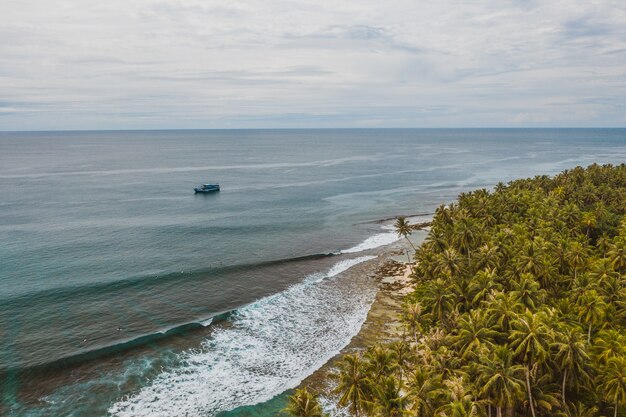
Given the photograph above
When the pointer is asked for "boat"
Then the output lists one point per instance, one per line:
(207, 188)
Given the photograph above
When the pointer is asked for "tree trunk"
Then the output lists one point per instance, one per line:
(499, 411)
(489, 408)
(410, 243)
(589, 335)
(563, 388)
(615, 412)
(530, 394)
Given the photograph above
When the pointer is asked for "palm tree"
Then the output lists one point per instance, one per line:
(389, 399)
(483, 283)
(403, 356)
(609, 344)
(528, 291)
(504, 309)
(449, 262)
(381, 362)
(571, 358)
(304, 404)
(403, 228)
(354, 384)
(412, 315)
(613, 382)
(577, 257)
(466, 234)
(617, 254)
(472, 334)
(500, 379)
(591, 310)
(423, 391)
(579, 409)
(530, 338)
(437, 298)
(460, 400)
(589, 221)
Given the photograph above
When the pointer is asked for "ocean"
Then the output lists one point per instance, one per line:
(123, 293)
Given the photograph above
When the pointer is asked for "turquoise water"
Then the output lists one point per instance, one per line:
(121, 290)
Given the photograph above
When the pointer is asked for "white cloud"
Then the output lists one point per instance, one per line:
(296, 63)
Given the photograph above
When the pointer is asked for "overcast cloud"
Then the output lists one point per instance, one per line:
(116, 64)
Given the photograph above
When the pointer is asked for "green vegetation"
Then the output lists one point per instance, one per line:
(519, 308)
(304, 404)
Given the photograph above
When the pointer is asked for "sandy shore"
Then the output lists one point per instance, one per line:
(383, 322)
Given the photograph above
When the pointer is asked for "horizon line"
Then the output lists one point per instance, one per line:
(312, 128)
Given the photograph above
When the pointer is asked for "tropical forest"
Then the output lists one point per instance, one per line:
(519, 309)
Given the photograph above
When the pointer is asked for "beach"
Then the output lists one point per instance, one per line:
(392, 271)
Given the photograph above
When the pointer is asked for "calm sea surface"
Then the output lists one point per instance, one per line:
(123, 293)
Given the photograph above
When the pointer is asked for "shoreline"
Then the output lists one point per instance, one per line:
(383, 321)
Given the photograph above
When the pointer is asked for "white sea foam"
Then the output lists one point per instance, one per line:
(207, 322)
(372, 242)
(271, 346)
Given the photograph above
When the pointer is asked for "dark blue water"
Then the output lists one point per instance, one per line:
(104, 247)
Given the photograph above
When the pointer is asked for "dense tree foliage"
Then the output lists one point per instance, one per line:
(520, 307)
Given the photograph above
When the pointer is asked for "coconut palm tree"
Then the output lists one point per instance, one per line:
(609, 344)
(613, 382)
(403, 229)
(577, 257)
(354, 384)
(617, 254)
(500, 379)
(472, 334)
(531, 338)
(528, 291)
(483, 283)
(424, 390)
(571, 358)
(579, 409)
(381, 361)
(412, 313)
(390, 402)
(304, 404)
(591, 310)
(503, 308)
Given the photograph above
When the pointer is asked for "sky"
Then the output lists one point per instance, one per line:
(187, 64)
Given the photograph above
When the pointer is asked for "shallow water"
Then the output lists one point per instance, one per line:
(112, 269)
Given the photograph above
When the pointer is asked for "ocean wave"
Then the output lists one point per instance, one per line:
(36, 297)
(121, 346)
(372, 242)
(271, 346)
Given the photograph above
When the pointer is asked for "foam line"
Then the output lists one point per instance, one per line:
(272, 345)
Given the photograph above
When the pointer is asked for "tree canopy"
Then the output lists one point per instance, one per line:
(519, 308)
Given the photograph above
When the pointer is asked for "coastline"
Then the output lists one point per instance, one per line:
(383, 324)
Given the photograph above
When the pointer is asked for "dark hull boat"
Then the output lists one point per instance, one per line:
(207, 188)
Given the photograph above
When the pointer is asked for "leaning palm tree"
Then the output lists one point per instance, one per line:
(304, 404)
(354, 385)
(404, 229)
(613, 382)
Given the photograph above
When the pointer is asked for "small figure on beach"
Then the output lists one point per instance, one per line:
(119, 328)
